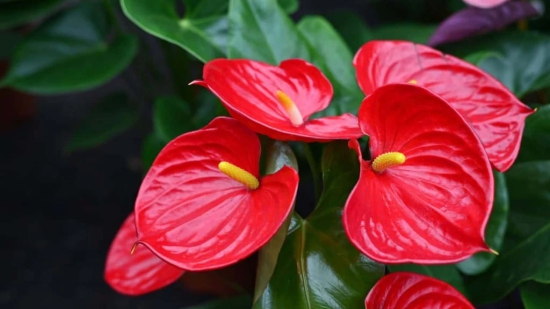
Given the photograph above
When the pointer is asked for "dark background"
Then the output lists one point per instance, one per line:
(60, 212)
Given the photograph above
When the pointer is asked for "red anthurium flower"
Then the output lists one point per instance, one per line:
(202, 204)
(485, 3)
(427, 194)
(277, 101)
(496, 115)
(138, 272)
(404, 290)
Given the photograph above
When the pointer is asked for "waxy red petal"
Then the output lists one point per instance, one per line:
(496, 115)
(404, 290)
(485, 3)
(196, 217)
(138, 273)
(247, 89)
(434, 207)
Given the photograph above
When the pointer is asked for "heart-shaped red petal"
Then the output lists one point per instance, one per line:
(404, 290)
(138, 273)
(196, 217)
(496, 115)
(248, 90)
(433, 208)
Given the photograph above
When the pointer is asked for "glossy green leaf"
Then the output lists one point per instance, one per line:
(335, 60)
(317, 266)
(535, 295)
(239, 302)
(529, 189)
(352, 28)
(171, 117)
(19, 12)
(278, 155)
(106, 119)
(525, 58)
(446, 273)
(261, 30)
(203, 33)
(494, 232)
(70, 53)
(417, 33)
(476, 57)
(529, 260)
(150, 148)
(535, 144)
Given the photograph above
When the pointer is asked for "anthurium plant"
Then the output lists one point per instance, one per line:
(395, 159)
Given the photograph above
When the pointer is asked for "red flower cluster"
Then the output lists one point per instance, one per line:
(435, 126)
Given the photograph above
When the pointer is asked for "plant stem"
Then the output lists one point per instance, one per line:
(315, 172)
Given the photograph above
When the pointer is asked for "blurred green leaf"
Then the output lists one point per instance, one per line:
(335, 60)
(535, 295)
(289, 6)
(476, 57)
(171, 117)
(278, 155)
(418, 33)
(70, 53)
(529, 260)
(535, 143)
(202, 32)
(525, 62)
(239, 302)
(318, 267)
(352, 29)
(494, 233)
(261, 30)
(9, 42)
(19, 12)
(446, 273)
(150, 148)
(106, 119)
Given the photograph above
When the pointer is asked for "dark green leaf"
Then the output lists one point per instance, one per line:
(529, 190)
(202, 35)
(19, 12)
(529, 260)
(150, 148)
(525, 58)
(535, 144)
(535, 295)
(106, 119)
(477, 57)
(278, 155)
(171, 117)
(70, 53)
(239, 302)
(318, 267)
(352, 29)
(335, 60)
(289, 6)
(9, 42)
(417, 33)
(447, 273)
(494, 233)
(261, 30)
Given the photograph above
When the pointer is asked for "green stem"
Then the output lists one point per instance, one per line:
(315, 172)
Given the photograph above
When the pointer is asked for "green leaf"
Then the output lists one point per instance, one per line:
(318, 267)
(19, 12)
(477, 57)
(494, 233)
(529, 260)
(106, 119)
(535, 295)
(529, 190)
(239, 302)
(171, 117)
(525, 58)
(278, 155)
(417, 33)
(335, 60)
(352, 29)
(9, 42)
(261, 30)
(70, 53)
(535, 143)
(289, 6)
(446, 273)
(202, 33)
(150, 148)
